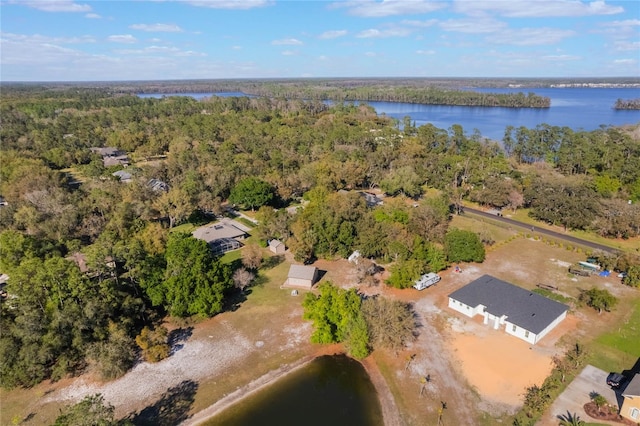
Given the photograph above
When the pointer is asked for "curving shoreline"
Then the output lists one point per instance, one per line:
(390, 413)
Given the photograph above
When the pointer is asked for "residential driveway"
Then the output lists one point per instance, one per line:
(572, 400)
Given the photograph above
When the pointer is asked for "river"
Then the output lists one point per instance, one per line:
(577, 108)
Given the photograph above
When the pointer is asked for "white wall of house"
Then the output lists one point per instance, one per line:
(520, 333)
(469, 311)
(551, 326)
(299, 282)
(496, 322)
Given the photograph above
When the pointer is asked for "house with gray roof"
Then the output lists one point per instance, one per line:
(222, 236)
(111, 156)
(524, 314)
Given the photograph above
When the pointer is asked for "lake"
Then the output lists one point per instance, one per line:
(330, 390)
(577, 108)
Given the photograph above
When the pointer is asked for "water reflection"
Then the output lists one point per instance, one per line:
(330, 390)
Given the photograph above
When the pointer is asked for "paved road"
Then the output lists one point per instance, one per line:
(542, 231)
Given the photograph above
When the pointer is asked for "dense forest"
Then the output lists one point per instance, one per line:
(93, 265)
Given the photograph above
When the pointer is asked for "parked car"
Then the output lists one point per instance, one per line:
(615, 380)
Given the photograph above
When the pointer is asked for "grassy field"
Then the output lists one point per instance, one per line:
(619, 348)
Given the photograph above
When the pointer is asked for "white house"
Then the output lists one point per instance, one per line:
(524, 314)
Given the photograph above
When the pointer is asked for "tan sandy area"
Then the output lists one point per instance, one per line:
(499, 366)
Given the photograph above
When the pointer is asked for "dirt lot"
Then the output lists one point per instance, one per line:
(472, 369)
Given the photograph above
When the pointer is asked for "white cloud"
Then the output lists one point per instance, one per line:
(420, 24)
(538, 8)
(627, 61)
(122, 38)
(159, 28)
(92, 16)
(530, 36)
(377, 9)
(190, 53)
(472, 26)
(370, 54)
(40, 39)
(287, 42)
(626, 45)
(375, 33)
(55, 5)
(561, 58)
(425, 52)
(332, 34)
(230, 4)
(289, 53)
(236, 47)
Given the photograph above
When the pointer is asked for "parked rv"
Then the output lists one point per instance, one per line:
(427, 280)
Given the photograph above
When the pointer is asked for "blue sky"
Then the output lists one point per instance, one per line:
(69, 40)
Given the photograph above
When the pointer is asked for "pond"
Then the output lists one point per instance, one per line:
(330, 390)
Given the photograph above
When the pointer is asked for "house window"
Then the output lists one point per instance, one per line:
(635, 413)
(526, 334)
(513, 328)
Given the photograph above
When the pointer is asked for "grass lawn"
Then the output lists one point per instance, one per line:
(619, 349)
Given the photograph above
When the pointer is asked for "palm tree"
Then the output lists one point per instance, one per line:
(570, 420)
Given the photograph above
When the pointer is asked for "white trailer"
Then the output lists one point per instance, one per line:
(427, 280)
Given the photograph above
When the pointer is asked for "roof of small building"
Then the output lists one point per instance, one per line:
(158, 185)
(523, 308)
(124, 176)
(633, 387)
(302, 272)
(275, 243)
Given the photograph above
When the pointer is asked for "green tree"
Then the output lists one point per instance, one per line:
(599, 299)
(91, 411)
(463, 246)
(195, 281)
(251, 193)
(337, 317)
(405, 272)
(154, 343)
(633, 276)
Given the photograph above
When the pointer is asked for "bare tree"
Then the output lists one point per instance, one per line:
(242, 278)
(252, 256)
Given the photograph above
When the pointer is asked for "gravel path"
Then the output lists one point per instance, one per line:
(146, 382)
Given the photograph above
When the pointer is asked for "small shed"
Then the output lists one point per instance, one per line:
(302, 276)
(277, 246)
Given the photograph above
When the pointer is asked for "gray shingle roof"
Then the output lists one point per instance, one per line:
(522, 307)
(633, 388)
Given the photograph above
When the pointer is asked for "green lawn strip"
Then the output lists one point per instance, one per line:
(185, 227)
(618, 349)
(552, 295)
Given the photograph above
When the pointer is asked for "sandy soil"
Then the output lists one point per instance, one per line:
(500, 367)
